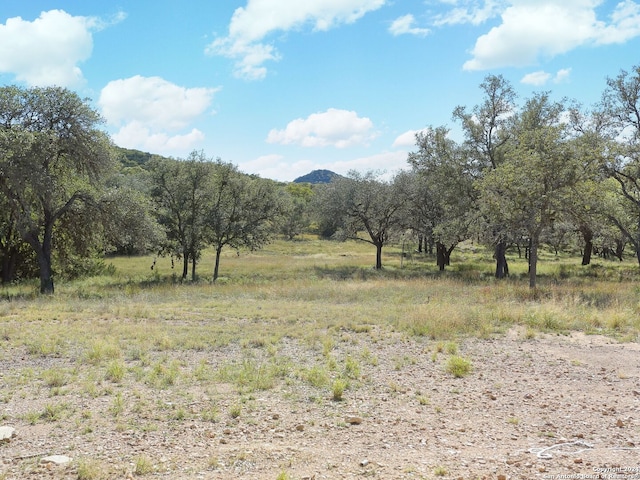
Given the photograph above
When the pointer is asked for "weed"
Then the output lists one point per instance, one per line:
(337, 389)
(101, 350)
(235, 410)
(210, 414)
(451, 348)
(142, 466)
(458, 366)
(90, 469)
(440, 471)
(32, 417)
(202, 372)
(54, 378)
(351, 367)
(316, 376)
(116, 371)
(283, 476)
(117, 406)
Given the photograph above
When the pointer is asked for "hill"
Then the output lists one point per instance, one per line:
(317, 176)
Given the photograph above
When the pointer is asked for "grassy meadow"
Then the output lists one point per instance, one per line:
(298, 288)
(124, 337)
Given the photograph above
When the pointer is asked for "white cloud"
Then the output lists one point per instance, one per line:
(562, 75)
(389, 162)
(338, 128)
(536, 78)
(541, 77)
(250, 25)
(546, 28)
(48, 50)
(404, 25)
(136, 135)
(151, 111)
(407, 139)
(469, 12)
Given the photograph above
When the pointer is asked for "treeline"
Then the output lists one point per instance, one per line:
(526, 174)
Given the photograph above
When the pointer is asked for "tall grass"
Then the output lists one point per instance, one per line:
(296, 288)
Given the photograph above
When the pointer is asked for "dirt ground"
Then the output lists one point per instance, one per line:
(553, 406)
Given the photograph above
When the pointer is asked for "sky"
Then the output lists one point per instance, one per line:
(284, 87)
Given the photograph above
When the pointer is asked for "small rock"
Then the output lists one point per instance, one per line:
(56, 459)
(502, 477)
(6, 433)
(577, 460)
(364, 462)
(353, 420)
(300, 427)
(619, 423)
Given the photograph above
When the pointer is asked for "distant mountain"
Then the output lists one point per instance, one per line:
(317, 176)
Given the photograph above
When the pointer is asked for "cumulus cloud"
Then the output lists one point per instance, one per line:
(407, 139)
(469, 11)
(546, 28)
(405, 25)
(541, 77)
(536, 78)
(48, 50)
(252, 24)
(338, 128)
(151, 112)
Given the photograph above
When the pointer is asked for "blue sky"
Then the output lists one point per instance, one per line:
(283, 87)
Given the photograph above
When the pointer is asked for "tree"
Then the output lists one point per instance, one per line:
(531, 186)
(621, 107)
(364, 203)
(183, 193)
(296, 198)
(446, 186)
(243, 211)
(487, 131)
(52, 157)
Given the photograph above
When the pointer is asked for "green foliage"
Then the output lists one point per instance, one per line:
(458, 366)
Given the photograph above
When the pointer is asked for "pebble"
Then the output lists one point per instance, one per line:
(6, 433)
(353, 420)
(56, 459)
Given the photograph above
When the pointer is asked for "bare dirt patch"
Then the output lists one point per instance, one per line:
(530, 408)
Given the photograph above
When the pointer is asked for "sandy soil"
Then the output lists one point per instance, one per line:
(555, 406)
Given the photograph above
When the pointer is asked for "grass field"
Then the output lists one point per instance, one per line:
(132, 331)
(298, 284)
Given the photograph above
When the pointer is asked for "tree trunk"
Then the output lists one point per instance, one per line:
(587, 235)
(619, 249)
(420, 238)
(447, 254)
(441, 256)
(193, 268)
(9, 265)
(185, 265)
(217, 264)
(378, 256)
(533, 262)
(43, 254)
(502, 267)
(44, 265)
